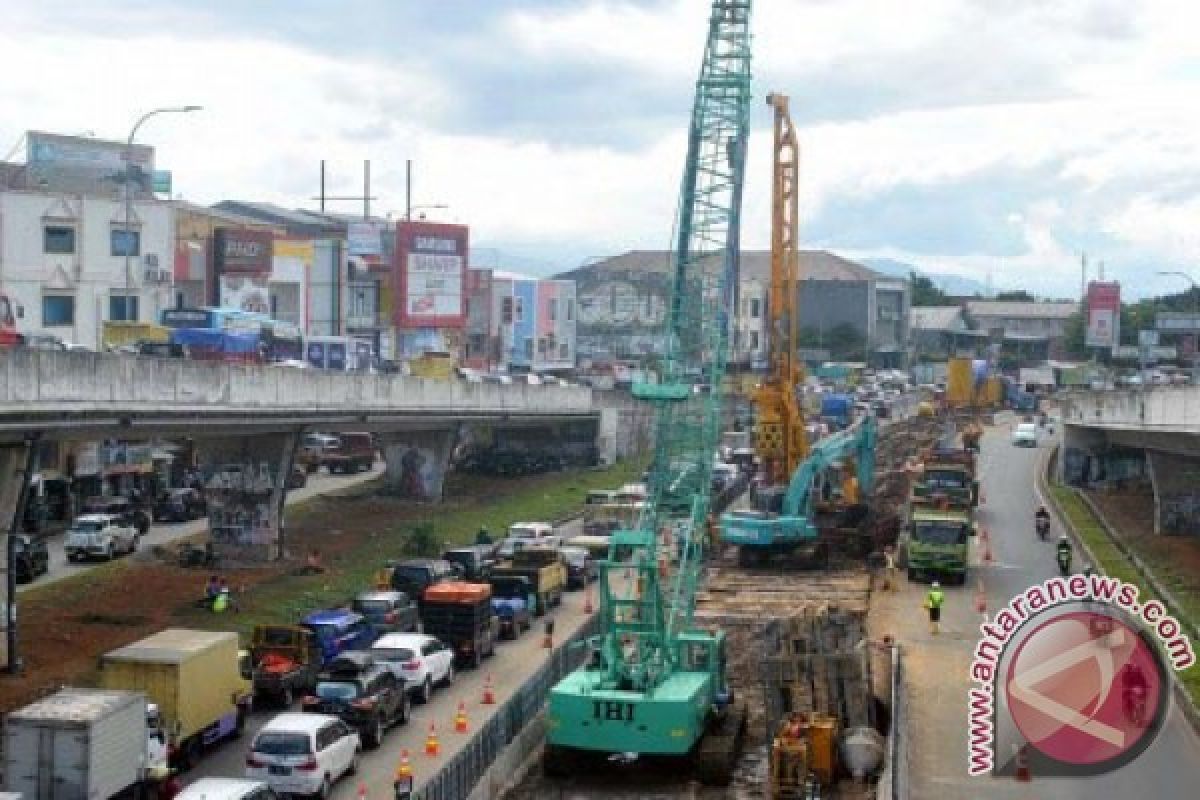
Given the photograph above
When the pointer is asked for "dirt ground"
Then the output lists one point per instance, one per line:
(64, 628)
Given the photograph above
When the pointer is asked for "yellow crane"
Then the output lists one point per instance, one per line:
(781, 440)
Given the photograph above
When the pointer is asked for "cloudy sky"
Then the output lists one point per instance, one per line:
(966, 136)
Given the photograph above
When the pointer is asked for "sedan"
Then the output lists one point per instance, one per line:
(1025, 435)
(420, 660)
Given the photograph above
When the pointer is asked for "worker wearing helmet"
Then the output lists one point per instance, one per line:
(933, 604)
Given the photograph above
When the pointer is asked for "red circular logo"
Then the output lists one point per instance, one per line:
(1086, 689)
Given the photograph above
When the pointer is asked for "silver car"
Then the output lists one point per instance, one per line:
(100, 536)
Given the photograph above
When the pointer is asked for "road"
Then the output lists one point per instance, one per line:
(509, 668)
(162, 534)
(938, 667)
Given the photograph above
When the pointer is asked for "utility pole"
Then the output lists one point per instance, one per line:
(408, 190)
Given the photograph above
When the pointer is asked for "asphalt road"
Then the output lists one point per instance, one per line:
(938, 667)
(161, 534)
(509, 668)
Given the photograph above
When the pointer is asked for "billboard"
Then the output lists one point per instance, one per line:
(242, 251)
(430, 270)
(364, 239)
(1103, 314)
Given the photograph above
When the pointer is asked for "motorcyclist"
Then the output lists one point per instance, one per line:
(1063, 553)
(1041, 521)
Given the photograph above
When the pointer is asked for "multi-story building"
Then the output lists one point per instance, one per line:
(73, 253)
(1028, 331)
(623, 301)
(535, 322)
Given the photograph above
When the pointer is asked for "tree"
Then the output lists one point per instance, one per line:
(1074, 340)
(923, 292)
(1016, 296)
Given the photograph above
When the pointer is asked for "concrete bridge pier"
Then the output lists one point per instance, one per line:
(246, 487)
(18, 463)
(417, 462)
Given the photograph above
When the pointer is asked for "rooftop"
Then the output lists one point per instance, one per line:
(937, 318)
(818, 265)
(1004, 308)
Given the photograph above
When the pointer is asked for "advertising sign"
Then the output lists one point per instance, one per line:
(79, 152)
(431, 266)
(242, 251)
(364, 239)
(246, 292)
(1104, 314)
(315, 354)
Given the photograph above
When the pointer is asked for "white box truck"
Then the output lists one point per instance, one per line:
(82, 744)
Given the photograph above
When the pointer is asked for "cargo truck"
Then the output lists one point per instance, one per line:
(935, 541)
(84, 743)
(461, 615)
(286, 661)
(195, 680)
(947, 477)
(544, 568)
(513, 600)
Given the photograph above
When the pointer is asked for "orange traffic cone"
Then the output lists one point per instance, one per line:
(460, 718)
(987, 551)
(982, 497)
(489, 694)
(404, 768)
(980, 598)
(1022, 773)
(362, 791)
(548, 639)
(587, 601)
(432, 745)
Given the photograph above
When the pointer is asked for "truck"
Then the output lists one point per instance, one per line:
(513, 600)
(461, 615)
(354, 452)
(544, 568)
(286, 661)
(837, 408)
(934, 541)
(948, 477)
(194, 679)
(84, 743)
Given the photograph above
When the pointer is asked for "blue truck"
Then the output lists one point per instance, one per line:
(513, 600)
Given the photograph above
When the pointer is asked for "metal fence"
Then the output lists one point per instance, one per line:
(893, 782)
(458, 777)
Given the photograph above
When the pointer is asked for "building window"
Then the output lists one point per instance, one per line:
(755, 309)
(552, 309)
(125, 243)
(58, 310)
(570, 310)
(520, 310)
(753, 340)
(564, 351)
(529, 349)
(506, 310)
(123, 308)
(59, 239)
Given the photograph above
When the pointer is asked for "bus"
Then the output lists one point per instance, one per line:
(273, 340)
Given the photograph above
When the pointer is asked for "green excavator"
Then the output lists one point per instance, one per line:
(655, 684)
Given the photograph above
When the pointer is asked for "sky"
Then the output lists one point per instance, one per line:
(980, 138)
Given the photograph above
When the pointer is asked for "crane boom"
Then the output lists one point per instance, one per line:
(781, 438)
(656, 684)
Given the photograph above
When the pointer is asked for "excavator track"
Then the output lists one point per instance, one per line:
(717, 754)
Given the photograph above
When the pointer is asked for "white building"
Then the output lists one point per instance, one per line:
(62, 260)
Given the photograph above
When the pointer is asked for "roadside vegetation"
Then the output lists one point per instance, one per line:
(1113, 562)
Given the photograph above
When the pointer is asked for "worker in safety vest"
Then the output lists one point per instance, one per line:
(221, 601)
(933, 603)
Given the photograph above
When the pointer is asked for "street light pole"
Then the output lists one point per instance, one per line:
(129, 193)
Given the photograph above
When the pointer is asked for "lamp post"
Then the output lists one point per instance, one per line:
(129, 192)
(1195, 313)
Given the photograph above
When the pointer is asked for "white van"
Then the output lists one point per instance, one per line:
(227, 789)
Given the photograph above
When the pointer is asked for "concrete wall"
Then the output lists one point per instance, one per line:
(33, 381)
(1174, 408)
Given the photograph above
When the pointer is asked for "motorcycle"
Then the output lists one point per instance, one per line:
(1064, 562)
(1134, 700)
(1042, 526)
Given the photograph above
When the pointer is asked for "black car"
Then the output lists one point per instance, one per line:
(388, 611)
(413, 576)
(364, 693)
(581, 568)
(180, 505)
(475, 562)
(30, 557)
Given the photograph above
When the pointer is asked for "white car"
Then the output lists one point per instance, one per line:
(100, 536)
(420, 660)
(1025, 435)
(303, 754)
(541, 533)
(227, 789)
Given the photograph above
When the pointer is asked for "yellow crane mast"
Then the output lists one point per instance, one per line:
(781, 439)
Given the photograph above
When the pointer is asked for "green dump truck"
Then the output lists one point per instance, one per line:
(935, 541)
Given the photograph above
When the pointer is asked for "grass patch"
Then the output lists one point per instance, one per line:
(288, 597)
(1113, 562)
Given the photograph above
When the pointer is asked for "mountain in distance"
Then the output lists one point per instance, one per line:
(959, 285)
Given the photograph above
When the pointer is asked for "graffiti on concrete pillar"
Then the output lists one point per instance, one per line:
(1180, 513)
(239, 504)
(413, 481)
